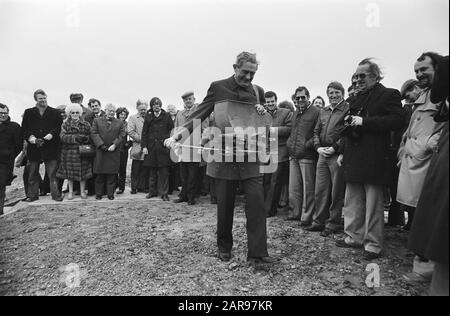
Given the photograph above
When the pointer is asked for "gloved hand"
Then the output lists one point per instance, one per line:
(104, 148)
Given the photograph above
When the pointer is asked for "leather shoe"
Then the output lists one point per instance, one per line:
(191, 202)
(165, 198)
(263, 260)
(111, 197)
(98, 197)
(58, 199)
(179, 200)
(369, 255)
(120, 191)
(224, 255)
(133, 191)
(314, 228)
(342, 244)
(305, 224)
(29, 199)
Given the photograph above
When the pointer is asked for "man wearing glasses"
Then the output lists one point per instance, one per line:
(374, 113)
(10, 146)
(303, 159)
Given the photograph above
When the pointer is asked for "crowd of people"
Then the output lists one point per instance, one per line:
(340, 165)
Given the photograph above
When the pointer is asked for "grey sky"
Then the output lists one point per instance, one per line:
(119, 51)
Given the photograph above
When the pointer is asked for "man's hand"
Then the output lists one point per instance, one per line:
(48, 137)
(170, 142)
(356, 120)
(260, 109)
(32, 140)
(340, 160)
(144, 151)
(103, 148)
(112, 148)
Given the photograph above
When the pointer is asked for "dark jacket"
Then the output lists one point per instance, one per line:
(301, 142)
(366, 151)
(154, 132)
(330, 125)
(107, 133)
(39, 126)
(10, 146)
(218, 91)
(282, 119)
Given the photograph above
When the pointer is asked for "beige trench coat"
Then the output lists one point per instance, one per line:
(418, 144)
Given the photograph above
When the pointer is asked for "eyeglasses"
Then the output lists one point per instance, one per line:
(359, 76)
(302, 97)
(75, 112)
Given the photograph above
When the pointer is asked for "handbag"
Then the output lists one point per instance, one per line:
(87, 151)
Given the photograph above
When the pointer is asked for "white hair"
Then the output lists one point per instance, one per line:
(73, 107)
(110, 106)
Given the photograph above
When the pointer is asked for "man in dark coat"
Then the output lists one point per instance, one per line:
(157, 127)
(10, 146)
(429, 233)
(273, 182)
(41, 126)
(227, 174)
(107, 133)
(375, 112)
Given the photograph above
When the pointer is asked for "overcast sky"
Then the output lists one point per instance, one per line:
(122, 50)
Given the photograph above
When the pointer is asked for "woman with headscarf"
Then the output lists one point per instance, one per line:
(157, 127)
(75, 131)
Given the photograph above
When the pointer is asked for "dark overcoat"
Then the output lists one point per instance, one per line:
(105, 132)
(72, 166)
(10, 146)
(39, 126)
(154, 132)
(366, 151)
(223, 90)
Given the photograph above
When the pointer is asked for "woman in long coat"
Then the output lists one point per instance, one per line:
(157, 127)
(107, 133)
(75, 131)
(429, 233)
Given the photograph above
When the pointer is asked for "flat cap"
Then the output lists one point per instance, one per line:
(187, 94)
(407, 86)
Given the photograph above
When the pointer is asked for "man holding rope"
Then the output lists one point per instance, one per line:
(237, 88)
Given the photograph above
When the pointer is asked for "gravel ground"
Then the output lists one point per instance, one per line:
(161, 248)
